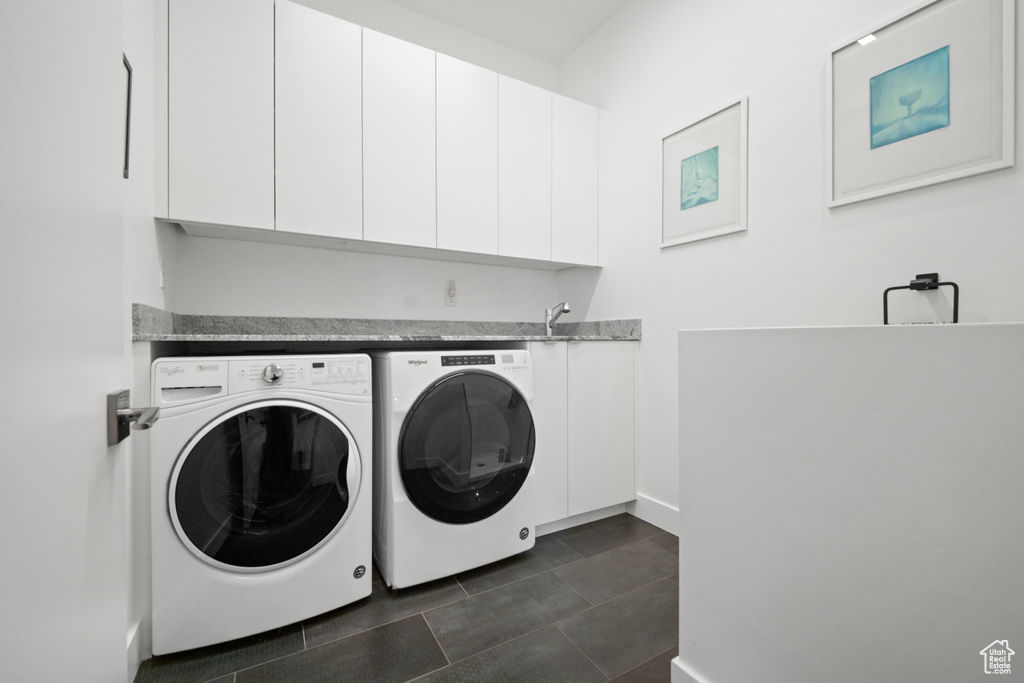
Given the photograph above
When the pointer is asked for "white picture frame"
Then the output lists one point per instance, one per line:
(872, 150)
(691, 209)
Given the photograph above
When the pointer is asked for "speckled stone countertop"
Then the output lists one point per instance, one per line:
(154, 324)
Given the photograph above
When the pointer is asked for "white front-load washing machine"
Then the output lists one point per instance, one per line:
(261, 473)
(453, 446)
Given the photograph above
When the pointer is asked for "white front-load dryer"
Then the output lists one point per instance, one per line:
(261, 477)
(453, 446)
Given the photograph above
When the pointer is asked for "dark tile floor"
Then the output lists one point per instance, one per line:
(597, 602)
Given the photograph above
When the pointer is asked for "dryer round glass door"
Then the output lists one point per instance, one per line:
(264, 484)
(466, 447)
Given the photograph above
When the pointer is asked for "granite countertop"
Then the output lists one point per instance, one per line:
(153, 324)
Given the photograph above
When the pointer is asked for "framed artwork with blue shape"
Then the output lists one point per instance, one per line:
(704, 177)
(922, 87)
(925, 98)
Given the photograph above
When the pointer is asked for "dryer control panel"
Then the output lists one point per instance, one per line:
(508, 360)
(467, 360)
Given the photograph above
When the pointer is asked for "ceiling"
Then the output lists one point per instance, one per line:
(546, 29)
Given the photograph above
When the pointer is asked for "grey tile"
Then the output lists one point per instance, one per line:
(655, 670)
(619, 571)
(207, 663)
(667, 541)
(383, 606)
(482, 621)
(496, 622)
(547, 553)
(623, 633)
(605, 534)
(544, 656)
(395, 652)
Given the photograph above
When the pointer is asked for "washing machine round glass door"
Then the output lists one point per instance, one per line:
(263, 485)
(466, 447)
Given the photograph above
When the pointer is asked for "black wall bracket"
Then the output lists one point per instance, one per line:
(921, 283)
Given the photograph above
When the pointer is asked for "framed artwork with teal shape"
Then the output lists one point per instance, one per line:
(924, 98)
(704, 177)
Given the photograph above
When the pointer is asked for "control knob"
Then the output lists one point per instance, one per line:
(273, 373)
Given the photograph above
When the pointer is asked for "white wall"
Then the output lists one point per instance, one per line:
(850, 521)
(401, 22)
(228, 277)
(657, 66)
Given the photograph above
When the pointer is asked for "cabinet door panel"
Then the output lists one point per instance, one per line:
(601, 399)
(221, 112)
(399, 169)
(318, 76)
(550, 466)
(524, 170)
(574, 181)
(467, 157)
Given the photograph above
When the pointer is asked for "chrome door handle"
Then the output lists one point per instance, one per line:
(142, 418)
(121, 418)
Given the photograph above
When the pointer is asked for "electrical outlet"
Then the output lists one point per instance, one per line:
(449, 294)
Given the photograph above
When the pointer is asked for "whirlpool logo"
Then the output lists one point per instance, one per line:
(418, 361)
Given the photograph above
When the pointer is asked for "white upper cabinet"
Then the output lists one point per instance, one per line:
(524, 170)
(286, 124)
(574, 181)
(318, 76)
(467, 157)
(221, 112)
(399, 164)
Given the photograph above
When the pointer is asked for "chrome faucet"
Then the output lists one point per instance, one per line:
(551, 315)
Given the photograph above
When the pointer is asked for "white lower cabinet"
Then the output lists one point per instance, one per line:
(584, 398)
(601, 416)
(550, 409)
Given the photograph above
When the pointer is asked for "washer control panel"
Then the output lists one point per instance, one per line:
(348, 374)
(273, 373)
(179, 381)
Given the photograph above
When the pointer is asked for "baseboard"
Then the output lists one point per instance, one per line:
(651, 511)
(661, 515)
(681, 675)
(576, 520)
(134, 653)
